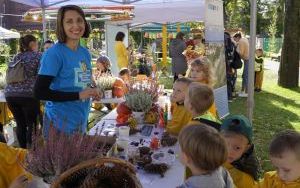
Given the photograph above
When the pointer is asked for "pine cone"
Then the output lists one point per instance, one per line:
(156, 168)
(168, 140)
(144, 150)
(144, 160)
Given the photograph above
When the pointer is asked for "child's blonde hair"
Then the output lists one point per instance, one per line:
(201, 97)
(288, 140)
(204, 145)
(205, 68)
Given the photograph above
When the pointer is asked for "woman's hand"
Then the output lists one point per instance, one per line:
(88, 93)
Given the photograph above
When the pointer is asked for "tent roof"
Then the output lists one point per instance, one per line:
(7, 34)
(159, 11)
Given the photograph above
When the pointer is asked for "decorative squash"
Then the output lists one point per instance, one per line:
(119, 88)
(151, 117)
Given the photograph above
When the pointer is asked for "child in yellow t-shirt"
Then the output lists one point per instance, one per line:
(10, 164)
(241, 163)
(180, 115)
(198, 100)
(284, 153)
(201, 72)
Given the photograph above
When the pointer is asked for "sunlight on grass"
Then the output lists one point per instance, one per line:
(276, 109)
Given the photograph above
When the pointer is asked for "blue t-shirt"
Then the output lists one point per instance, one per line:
(72, 73)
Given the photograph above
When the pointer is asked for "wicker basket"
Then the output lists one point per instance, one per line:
(99, 173)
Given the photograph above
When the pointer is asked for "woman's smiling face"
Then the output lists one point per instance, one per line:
(73, 24)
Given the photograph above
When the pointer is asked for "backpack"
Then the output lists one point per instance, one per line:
(237, 61)
(15, 71)
(232, 58)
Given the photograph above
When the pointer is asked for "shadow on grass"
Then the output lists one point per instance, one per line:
(273, 113)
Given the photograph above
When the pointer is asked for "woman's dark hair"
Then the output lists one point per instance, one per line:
(237, 35)
(48, 42)
(60, 33)
(120, 36)
(25, 41)
(180, 35)
(248, 163)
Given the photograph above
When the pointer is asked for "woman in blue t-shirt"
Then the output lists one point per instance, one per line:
(65, 76)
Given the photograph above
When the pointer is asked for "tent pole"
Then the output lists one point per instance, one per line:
(44, 21)
(250, 100)
(164, 44)
(178, 28)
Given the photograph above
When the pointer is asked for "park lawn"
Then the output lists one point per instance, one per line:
(276, 109)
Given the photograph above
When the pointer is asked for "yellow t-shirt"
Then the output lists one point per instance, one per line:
(240, 178)
(121, 54)
(10, 168)
(180, 118)
(271, 180)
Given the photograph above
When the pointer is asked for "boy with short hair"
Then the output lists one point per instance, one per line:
(198, 99)
(284, 153)
(180, 115)
(203, 150)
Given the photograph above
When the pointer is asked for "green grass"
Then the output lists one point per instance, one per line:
(276, 109)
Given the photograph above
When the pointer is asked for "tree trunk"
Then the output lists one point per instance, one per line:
(289, 63)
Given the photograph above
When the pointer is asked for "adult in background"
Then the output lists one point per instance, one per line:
(179, 64)
(231, 73)
(121, 51)
(65, 76)
(243, 50)
(47, 44)
(19, 95)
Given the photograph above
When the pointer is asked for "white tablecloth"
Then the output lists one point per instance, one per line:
(173, 177)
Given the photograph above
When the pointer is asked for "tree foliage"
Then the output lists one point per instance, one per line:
(237, 15)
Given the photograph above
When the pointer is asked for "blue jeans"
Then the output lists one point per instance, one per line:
(245, 76)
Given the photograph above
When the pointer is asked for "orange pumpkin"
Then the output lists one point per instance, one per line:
(119, 88)
(123, 113)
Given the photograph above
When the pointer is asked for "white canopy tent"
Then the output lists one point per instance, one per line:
(166, 11)
(7, 34)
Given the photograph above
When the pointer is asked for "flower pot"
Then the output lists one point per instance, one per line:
(108, 94)
(139, 116)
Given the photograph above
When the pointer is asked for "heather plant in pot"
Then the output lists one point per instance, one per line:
(50, 157)
(139, 102)
(106, 84)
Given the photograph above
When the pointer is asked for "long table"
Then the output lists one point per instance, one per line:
(173, 177)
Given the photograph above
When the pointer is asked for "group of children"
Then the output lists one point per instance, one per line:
(208, 147)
